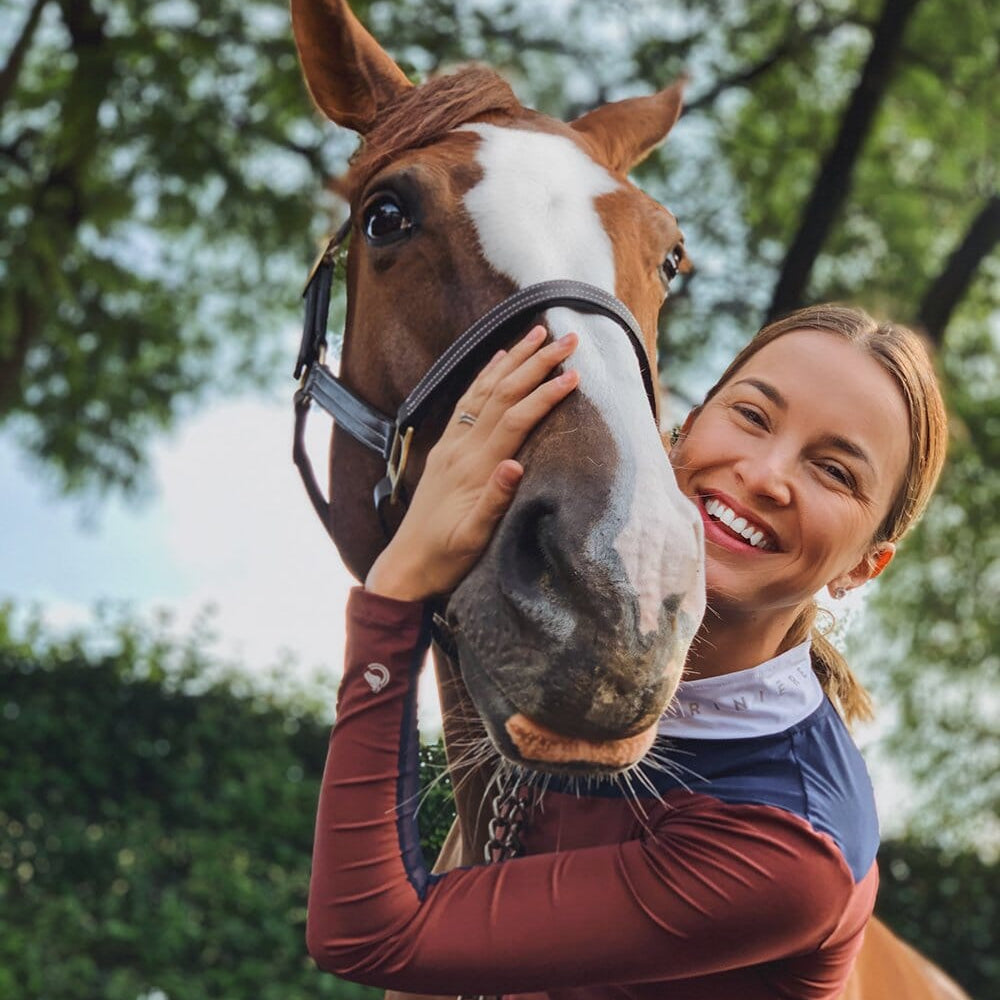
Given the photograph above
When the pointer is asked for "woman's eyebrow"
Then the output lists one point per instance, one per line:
(848, 447)
(767, 389)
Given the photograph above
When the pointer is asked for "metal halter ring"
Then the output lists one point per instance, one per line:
(467, 418)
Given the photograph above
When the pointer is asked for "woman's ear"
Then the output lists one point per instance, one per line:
(874, 561)
(880, 557)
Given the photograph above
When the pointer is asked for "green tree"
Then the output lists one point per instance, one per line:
(159, 170)
(937, 625)
(156, 824)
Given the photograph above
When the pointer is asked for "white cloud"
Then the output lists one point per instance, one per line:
(231, 529)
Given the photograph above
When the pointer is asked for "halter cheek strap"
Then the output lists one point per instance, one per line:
(390, 438)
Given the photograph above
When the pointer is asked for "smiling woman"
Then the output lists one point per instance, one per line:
(823, 440)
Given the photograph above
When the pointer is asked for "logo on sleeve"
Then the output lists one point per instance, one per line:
(377, 676)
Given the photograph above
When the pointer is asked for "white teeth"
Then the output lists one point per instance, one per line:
(719, 511)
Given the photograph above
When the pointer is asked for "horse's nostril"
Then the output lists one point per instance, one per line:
(533, 547)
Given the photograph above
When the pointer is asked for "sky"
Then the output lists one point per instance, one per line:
(228, 527)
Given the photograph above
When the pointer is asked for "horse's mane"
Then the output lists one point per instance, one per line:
(424, 114)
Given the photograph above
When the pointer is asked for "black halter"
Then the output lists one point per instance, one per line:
(390, 437)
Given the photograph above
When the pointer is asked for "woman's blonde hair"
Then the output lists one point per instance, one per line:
(902, 354)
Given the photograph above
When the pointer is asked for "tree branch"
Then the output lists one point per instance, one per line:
(950, 286)
(833, 182)
(57, 200)
(28, 328)
(11, 71)
(750, 73)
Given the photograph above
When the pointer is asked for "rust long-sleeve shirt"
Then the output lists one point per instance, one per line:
(748, 874)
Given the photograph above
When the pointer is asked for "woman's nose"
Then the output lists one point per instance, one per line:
(768, 475)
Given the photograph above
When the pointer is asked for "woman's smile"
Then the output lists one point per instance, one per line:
(732, 526)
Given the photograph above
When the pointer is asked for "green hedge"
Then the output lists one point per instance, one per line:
(152, 840)
(156, 827)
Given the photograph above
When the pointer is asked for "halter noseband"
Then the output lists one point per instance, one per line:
(389, 437)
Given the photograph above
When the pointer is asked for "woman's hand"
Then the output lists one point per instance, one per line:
(471, 476)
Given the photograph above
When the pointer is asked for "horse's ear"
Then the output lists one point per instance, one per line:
(626, 132)
(349, 74)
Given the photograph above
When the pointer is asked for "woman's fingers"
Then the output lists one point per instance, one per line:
(471, 476)
(516, 422)
(515, 397)
(485, 384)
(532, 372)
(490, 506)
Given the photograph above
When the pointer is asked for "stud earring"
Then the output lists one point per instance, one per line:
(839, 593)
(675, 434)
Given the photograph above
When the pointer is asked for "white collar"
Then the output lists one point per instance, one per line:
(759, 701)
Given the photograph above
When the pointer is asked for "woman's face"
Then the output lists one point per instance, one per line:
(803, 450)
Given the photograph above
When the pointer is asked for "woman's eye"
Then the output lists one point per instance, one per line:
(839, 473)
(385, 221)
(751, 415)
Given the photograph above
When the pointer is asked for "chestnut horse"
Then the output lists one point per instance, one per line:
(571, 631)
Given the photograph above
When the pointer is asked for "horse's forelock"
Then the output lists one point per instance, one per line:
(426, 113)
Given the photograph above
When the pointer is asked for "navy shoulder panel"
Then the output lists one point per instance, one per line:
(812, 770)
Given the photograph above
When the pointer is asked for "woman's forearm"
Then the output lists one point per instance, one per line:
(712, 886)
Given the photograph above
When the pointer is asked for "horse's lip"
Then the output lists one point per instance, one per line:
(537, 744)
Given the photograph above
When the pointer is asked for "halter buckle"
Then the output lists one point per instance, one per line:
(395, 467)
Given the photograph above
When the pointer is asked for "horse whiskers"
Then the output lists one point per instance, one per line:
(473, 759)
(634, 801)
(466, 769)
(672, 769)
(420, 797)
(624, 781)
(496, 779)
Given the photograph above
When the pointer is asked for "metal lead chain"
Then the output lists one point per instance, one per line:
(512, 809)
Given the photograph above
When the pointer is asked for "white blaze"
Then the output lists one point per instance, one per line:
(537, 220)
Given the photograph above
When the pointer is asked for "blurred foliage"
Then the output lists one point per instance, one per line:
(156, 830)
(156, 825)
(946, 904)
(159, 174)
(437, 808)
(933, 655)
(162, 177)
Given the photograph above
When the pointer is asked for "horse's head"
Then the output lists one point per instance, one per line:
(573, 627)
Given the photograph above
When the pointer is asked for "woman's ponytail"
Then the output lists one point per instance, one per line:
(837, 679)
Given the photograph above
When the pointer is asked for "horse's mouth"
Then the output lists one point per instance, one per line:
(543, 748)
(572, 740)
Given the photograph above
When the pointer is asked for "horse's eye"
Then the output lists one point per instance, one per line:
(671, 265)
(385, 221)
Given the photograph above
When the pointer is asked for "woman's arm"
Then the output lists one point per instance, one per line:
(713, 887)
